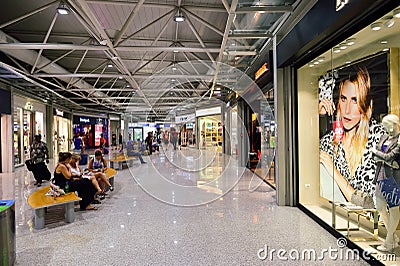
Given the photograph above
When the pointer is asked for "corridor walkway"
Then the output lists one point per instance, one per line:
(134, 227)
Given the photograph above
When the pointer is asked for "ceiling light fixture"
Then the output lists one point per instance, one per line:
(109, 65)
(337, 50)
(343, 47)
(350, 42)
(376, 26)
(62, 9)
(179, 18)
(396, 13)
(385, 50)
(321, 59)
(389, 21)
(384, 42)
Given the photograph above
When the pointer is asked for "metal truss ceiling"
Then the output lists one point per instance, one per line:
(99, 56)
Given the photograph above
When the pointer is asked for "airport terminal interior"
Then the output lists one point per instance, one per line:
(200, 132)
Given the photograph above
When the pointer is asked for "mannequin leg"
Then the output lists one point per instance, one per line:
(394, 216)
(381, 206)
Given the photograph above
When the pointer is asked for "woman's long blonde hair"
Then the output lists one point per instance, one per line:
(359, 140)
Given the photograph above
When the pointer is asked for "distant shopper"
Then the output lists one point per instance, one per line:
(40, 155)
(102, 143)
(149, 142)
(121, 145)
(133, 149)
(114, 139)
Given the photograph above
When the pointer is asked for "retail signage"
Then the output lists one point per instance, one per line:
(184, 118)
(209, 111)
(340, 4)
(84, 120)
(28, 106)
(59, 112)
(261, 70)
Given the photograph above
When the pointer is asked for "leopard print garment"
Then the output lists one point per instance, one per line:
(365, 171)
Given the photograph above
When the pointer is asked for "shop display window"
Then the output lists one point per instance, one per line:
(17, 128)
(344, 97)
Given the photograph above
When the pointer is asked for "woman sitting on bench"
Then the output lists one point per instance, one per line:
(77, 173)
(98, 165)
(62, 175)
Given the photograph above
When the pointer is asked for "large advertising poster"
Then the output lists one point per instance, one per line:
(353, 100)
(98, 130)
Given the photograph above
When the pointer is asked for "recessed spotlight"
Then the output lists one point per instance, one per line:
(389, 23)
(343, 47)
(128, 86)
(316, 63)
(337, 50)
(385, 50)
(173, 68)
(311, 65)
(396, 13)
(176, 51)
(110, 65)
(120, 77)
(173, 80)
(321, 59)
(348, 62)
(376, 26)
(350, 42)
(384, 42)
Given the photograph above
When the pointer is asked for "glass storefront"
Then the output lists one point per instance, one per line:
(344, 95)
(210, 132)
(61, 134)
(17, 140)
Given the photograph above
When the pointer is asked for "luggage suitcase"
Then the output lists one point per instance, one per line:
(84, 159)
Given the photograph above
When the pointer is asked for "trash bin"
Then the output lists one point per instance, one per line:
(7, 236)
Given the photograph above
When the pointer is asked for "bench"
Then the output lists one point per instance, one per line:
(122, 159)
(110, 173)
(39, 202)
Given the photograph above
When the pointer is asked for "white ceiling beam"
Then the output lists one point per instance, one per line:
(250, 36)
(44, 42)
(193, 29)
(147, 26)
(38, 10)
(229, 21)
(204, 22)
(128, 22)
(48, 46)
(264, 9)
(138, 75)
(208, 8)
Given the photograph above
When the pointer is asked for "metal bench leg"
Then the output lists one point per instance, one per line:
(69, 212)
(111, 180)
(120, 165)
(112, 164)
(39, 218)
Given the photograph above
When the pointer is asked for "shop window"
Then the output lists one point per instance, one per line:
(343, 96)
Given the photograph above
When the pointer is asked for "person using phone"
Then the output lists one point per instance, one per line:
(98, 165)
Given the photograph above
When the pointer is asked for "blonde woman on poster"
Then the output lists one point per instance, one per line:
(347, 158)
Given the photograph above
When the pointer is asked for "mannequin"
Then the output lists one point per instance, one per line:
(387, 156)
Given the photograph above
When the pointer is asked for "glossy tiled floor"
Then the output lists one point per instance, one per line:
(163, 227)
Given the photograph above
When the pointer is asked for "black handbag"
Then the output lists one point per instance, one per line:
(29, 164)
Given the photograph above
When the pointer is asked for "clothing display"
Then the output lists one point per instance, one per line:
(364, 174)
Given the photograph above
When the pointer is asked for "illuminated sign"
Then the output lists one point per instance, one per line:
(261, 71)
(340, 4)
(84, 120)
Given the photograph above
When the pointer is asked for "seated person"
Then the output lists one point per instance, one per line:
(98, 165)
(77, 173)
(62, 175)
(131, 151)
